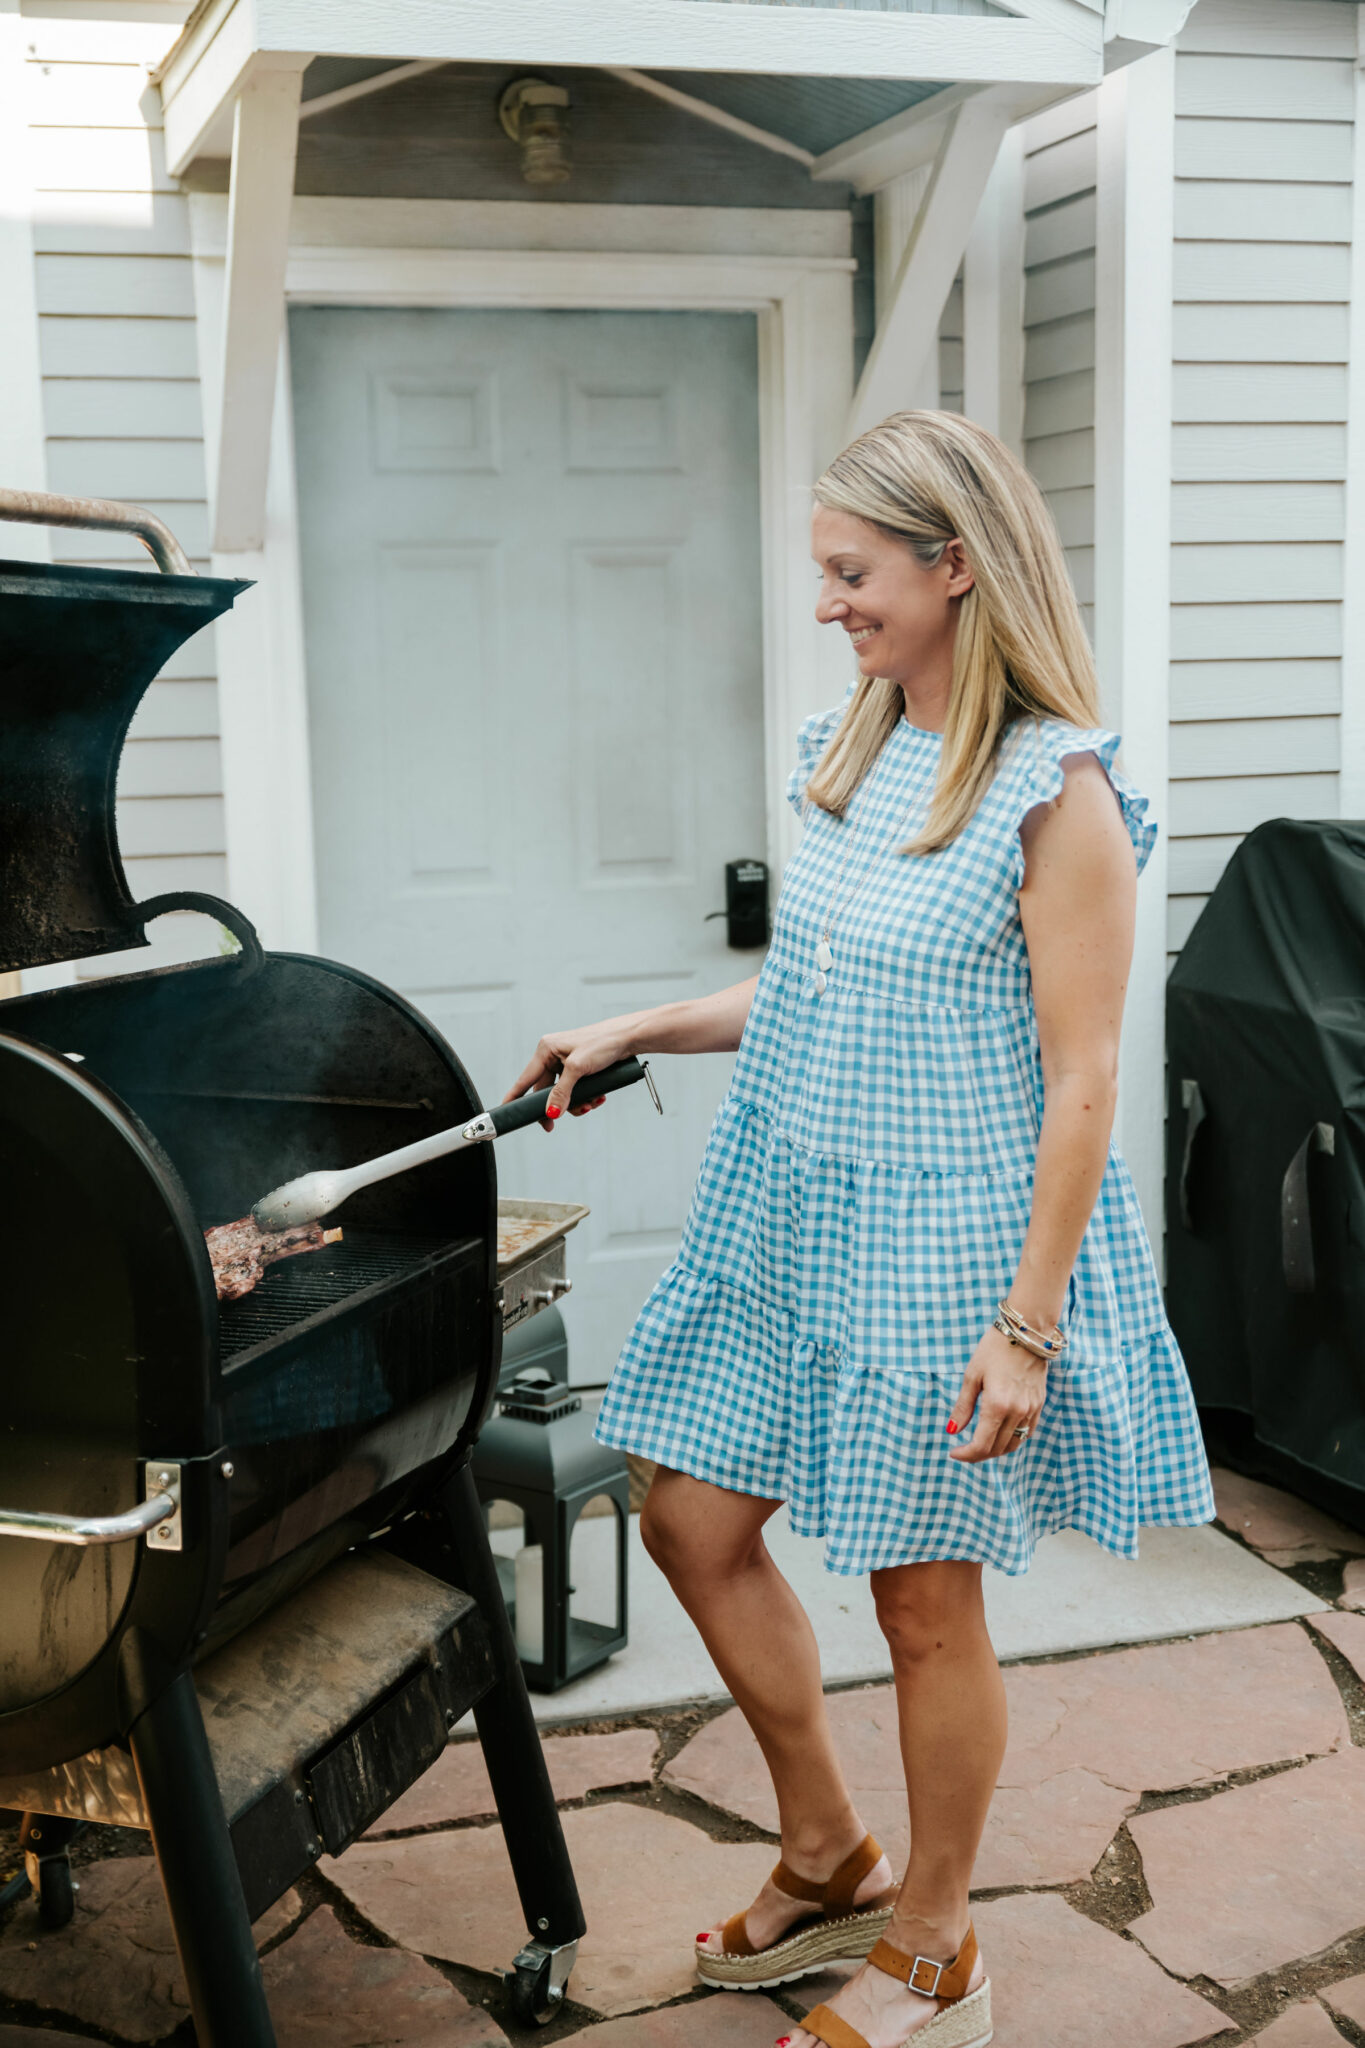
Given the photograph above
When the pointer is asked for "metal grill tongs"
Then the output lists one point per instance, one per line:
(314, 1195)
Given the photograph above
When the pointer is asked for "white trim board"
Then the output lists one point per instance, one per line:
(1133, 347)
(1352, 786)
(803, 305)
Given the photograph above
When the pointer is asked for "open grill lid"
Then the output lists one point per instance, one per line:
(78, 648)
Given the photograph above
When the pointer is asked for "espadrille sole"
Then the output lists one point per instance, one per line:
(821, 1942)
(964, 2025)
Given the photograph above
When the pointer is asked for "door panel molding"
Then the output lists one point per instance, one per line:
(804, 308)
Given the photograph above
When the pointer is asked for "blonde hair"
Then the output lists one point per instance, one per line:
(926, 478)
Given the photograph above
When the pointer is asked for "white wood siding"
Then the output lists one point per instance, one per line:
(1263, 199)
(1059, 326)
(121, 408)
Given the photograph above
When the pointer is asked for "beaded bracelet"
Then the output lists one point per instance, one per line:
(1042, 1343)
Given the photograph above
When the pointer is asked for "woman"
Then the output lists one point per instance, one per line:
(914, 1298)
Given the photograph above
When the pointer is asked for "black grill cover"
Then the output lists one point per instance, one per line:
(1265, 1202)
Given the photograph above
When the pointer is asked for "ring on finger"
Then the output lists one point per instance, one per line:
(1022, 1430)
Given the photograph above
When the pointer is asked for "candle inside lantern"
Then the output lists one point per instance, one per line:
(530, 1603)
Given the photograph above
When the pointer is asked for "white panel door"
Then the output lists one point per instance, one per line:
(533, 613)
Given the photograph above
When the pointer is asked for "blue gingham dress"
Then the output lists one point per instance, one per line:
(863, 1200)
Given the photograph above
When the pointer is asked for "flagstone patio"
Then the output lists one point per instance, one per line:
(1176, 1856)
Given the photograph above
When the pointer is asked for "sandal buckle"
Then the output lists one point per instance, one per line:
(913, 1980)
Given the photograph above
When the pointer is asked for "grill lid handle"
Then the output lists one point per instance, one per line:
(529, 1109)
(90, 1530)
(102, 515)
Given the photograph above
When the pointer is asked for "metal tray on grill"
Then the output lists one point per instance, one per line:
(531, 1256)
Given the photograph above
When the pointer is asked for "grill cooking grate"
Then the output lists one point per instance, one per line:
(312, 1283)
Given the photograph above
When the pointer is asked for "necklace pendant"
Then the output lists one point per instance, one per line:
(824, 958)
(820, 984)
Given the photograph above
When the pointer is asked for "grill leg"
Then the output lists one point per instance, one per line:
(199, 1871)
(511, 1741)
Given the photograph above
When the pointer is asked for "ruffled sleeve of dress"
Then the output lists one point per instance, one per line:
(1041, 745)
(812, 737)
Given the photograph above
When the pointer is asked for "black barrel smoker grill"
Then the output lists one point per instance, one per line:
(245, 1583)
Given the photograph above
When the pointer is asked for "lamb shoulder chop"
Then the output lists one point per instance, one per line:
(239, 1252)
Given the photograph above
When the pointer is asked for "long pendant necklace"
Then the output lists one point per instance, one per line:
(824, 951)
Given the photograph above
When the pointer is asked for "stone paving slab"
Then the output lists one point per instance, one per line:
(456, 1788)
(115, 1965)
(719, 2020)
(1284, 1529)
(1303, 2026)
(1345, 1632)
(327, 1991)
(1086, 1740)
(648, 1882)
(1258, 1876)
(1059, 1981)
(1353, 1584)
(1348, 1998)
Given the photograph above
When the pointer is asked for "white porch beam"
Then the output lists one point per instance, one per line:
(213, 58)
(1133, 348)
(907, 141)
(264, 143)
(1079, 18)
(909, 329)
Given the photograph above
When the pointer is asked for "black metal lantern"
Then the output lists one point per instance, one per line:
(537, 1453)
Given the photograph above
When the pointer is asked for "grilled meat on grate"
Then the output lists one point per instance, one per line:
(239, 1253)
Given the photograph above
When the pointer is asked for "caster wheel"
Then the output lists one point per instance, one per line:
(535, 1983)
(529, 1994)
(56, 1893)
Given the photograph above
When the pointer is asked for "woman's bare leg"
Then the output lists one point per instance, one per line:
(951, 1703)
(709, 1545)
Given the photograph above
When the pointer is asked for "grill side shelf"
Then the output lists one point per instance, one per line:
(532, 1262)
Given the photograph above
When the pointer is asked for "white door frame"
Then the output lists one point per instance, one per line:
(803, 304)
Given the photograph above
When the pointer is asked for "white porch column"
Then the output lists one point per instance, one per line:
(263, 719)
(993, 301)
(1133, 341)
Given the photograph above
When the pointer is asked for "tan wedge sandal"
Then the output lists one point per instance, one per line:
(964, 2022)
(844, 1931)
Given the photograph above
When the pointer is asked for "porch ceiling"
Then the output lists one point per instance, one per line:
(816, 113)
(819, 71)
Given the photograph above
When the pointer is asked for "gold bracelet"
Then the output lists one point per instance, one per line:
(1042, 1343)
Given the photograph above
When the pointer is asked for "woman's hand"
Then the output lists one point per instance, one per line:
(701, 1024)
(564, 1057)
(1004, 1387)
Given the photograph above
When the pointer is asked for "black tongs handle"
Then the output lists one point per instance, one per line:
(529, 1109)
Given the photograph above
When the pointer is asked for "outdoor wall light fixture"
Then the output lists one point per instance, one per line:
(533, 114)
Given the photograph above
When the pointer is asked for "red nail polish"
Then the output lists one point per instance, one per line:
(952, 1427)
(552, 1111)
(702, 1936)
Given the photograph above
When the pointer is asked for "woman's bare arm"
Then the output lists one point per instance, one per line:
(706, 1024)
(1078, 906)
